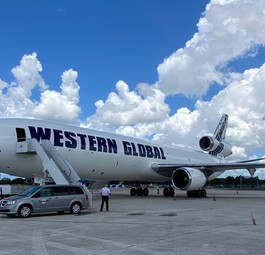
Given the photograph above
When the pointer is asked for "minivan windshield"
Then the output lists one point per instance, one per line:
(30, 191)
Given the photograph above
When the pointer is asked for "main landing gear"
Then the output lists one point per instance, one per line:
(167, 192)
(197, 193)
(139, 192)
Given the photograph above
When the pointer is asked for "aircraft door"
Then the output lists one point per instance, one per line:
(21, 134)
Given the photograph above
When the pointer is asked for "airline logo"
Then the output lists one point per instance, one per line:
(73, 140)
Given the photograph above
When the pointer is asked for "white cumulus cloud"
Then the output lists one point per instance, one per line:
(60, 106)
(228, 30)
(16, 98)
(129, 108)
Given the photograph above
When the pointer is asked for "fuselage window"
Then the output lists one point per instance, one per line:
(21, 134)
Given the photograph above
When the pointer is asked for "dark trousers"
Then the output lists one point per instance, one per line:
(104, 199)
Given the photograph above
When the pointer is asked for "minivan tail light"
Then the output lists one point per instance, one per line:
(86, 197)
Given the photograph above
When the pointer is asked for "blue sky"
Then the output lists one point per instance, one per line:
(159, 70)
(104, 41)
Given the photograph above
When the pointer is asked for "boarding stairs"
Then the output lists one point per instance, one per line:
(59, 168)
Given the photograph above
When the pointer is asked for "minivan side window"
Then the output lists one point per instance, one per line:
(46, 192)
(60, 191)
(75, 190)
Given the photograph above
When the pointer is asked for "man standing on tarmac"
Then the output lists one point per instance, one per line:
(105, 192)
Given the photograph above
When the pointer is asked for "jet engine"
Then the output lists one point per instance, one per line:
(214, 147)
(187, 178)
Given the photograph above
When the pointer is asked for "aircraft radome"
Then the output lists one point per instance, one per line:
(104, 156)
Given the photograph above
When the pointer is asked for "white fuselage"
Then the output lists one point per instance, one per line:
(93, 154)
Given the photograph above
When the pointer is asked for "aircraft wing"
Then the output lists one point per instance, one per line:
(168, 169)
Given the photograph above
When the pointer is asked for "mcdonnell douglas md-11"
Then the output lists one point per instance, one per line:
(104, 156)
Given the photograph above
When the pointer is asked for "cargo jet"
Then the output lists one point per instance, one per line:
(30, 148)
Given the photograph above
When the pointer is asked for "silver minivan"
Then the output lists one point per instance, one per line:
(49, 198)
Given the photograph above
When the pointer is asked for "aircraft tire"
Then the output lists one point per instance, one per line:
(139, 192)
(133, 192)
(171, 192)
(166, 192)
(24, 211)
(203, 193)
(145, 192)
(189, 193)
(197, 193)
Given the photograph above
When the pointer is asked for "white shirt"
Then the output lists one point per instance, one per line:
(105, 191)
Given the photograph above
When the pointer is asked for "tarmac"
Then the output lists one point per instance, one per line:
(226, 222)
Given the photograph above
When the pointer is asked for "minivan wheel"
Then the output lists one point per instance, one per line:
(24, 211)
(76, 208)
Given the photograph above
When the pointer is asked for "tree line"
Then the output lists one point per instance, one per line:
(6, 180)
(228, 182)
(237, 182)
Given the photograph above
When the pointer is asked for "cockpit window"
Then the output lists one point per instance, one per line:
(21, 134)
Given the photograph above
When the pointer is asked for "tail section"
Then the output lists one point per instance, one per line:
(216, 145)
(220, 131)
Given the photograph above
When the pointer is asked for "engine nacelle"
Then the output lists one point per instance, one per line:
(214, 147)
(187, 178)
